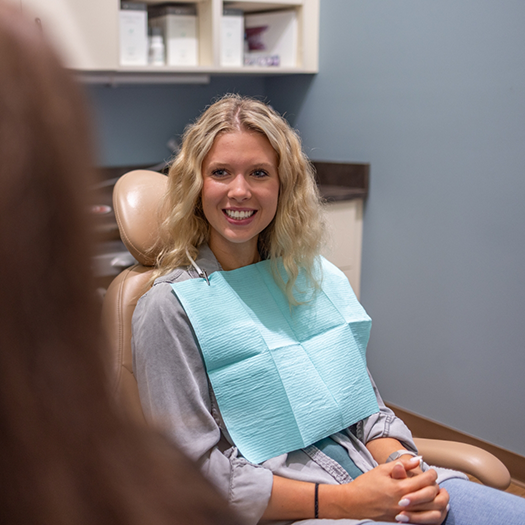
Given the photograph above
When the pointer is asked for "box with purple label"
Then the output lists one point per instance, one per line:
(271, 39)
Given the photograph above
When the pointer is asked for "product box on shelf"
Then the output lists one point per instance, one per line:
(178, 23)
(133, 35)
(271, 39)
(232, 37)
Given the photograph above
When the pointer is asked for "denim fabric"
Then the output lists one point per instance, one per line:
(474, 504)
(338, 453)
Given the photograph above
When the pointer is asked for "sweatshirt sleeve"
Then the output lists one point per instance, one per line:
(385, 424)
(175, 396)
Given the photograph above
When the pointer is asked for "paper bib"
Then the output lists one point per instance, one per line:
(283, 377)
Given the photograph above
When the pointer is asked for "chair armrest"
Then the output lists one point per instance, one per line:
(466, 458)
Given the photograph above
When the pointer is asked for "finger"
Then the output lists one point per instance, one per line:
(433, 517)
(399, 471)
(440, 502)
(414, 472)
(421, 499)
(411, 462)
(415, 483)
(411, 468)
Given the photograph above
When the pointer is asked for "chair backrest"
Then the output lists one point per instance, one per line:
(136, 199)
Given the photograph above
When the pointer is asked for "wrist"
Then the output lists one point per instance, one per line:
(398, 453)
(412, 457)
(329, 498)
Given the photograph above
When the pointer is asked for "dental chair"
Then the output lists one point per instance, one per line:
(136, 200)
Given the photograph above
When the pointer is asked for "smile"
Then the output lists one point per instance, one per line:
(239, 215)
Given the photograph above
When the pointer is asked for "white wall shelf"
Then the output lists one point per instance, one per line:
(86, 35)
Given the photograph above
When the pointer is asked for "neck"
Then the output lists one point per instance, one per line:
(232, 257)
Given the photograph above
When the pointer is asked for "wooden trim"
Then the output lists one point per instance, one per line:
(426, 428)
(518, 483)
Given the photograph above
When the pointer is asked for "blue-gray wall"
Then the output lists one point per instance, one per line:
(432, 94)
(134, 123)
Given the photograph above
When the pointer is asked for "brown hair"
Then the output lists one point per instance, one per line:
(67, 455)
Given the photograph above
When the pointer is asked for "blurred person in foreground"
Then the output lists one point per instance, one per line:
(67, 456)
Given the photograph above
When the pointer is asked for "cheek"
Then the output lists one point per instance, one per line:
(208, 195)
(276, 193)
(275, 204)
(207, 204)
(272, 200)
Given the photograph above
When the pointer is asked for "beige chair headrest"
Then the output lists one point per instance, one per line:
(136, 200)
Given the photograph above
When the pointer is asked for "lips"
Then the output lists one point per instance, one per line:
(239, 215)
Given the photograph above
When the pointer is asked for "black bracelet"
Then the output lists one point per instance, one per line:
(316, 500)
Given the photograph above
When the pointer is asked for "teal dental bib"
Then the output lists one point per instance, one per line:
(283, 377)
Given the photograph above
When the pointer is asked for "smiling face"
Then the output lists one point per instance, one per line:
(239, 194)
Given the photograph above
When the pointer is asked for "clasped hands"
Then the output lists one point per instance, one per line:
(398, 491)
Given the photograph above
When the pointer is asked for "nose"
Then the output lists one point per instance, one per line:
(239, 189)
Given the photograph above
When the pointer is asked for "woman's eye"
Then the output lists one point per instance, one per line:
(219, 173)
(260, 174)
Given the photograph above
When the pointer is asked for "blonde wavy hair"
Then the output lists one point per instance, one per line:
(296, 231)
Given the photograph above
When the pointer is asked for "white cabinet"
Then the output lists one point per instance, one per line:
(85, 32)
(345, 233)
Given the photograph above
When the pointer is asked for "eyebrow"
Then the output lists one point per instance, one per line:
(264, 165)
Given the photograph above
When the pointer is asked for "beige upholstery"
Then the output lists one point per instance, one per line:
(472, 460)
(119, 303)
(136, 201)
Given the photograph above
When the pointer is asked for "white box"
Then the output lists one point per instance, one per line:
(179, 26)
(272, 39)
(232, 38)
(133, 36)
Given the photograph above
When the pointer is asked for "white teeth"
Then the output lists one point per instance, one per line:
(239, 215)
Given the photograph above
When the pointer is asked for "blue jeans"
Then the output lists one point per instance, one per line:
(474, 504)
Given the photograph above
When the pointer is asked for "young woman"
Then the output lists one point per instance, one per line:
(67, 456)
(242, 233)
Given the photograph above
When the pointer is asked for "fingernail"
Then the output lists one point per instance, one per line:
(402, 518)
(448, 507)
(404, 502)
(418, 458)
